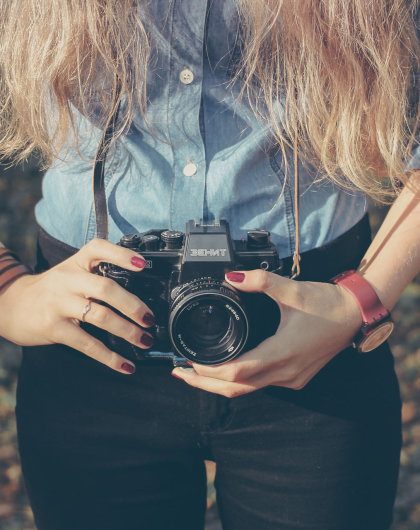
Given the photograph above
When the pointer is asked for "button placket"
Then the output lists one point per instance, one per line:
(185, 96)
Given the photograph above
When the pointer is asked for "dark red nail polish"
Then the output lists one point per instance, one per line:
(147, 340)
(129, 368)
(177, 376)
(237, 277)
(138, 261)
(189, 362)
(149, 319)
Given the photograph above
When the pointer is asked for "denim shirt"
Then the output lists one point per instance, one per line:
(203, 154)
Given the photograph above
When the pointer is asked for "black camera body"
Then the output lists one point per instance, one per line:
(199, 316)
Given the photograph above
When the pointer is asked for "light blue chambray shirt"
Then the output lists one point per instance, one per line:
(207, 155)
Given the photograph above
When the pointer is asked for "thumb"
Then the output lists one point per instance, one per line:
(259, 281)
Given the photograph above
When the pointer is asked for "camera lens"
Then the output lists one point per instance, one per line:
(207, 323)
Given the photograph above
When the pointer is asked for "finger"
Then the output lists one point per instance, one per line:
(215, 386)
(262, 358)
(103, 317)
(290, 377)
(110, 292)
(265, 365)
(100, 250)
(73, 336)
(261, 281)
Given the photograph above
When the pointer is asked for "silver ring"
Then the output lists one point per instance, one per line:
(86, 310)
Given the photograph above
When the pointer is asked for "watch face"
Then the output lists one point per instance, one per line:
(376, 337)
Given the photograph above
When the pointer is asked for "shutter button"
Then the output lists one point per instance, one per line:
(186, 76)
(190, 169)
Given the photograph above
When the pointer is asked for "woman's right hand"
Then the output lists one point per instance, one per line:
(47, 308)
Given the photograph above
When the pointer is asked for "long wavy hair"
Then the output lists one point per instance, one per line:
(344, 72)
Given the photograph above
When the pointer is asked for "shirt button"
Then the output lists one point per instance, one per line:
(186, 76)
(190, 169)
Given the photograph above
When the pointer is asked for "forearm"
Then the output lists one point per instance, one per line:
(393, 259)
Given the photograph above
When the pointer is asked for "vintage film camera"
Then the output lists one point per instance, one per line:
(199, 316)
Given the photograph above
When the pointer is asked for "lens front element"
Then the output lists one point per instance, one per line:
(207, 323)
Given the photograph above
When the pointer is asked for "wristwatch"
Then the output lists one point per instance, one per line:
(377, 324)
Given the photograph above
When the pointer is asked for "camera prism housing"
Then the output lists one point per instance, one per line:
(199, 316)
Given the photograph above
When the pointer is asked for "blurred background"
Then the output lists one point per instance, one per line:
(20, 189)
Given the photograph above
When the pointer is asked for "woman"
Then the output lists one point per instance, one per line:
(208, 106)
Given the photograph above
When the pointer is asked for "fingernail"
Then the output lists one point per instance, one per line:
(236, 277)
(138, 261)
(177, 376)
(189, 362)
(147, 340)
(149, 319)
(128, 368)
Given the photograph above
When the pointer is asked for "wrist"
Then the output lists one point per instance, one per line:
(11, 268)
(376, 325)
(13, 298)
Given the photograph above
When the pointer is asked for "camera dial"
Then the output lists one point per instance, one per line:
(131, 241)
(258, 238)
(150, 242)
(173, 239)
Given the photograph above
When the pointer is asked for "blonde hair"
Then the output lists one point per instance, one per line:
(344, 71)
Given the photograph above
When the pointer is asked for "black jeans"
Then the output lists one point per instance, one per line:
(106, 451)
(101, 450)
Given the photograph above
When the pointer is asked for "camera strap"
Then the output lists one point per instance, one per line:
(98, 170)
(296, 254)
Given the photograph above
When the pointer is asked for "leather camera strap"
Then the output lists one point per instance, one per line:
(98, 172)
(296, 254)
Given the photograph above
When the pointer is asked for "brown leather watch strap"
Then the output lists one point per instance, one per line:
(371, 308)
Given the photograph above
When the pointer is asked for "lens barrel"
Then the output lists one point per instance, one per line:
(207, 322)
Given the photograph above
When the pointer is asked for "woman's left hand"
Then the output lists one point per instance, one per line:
(318, 320)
